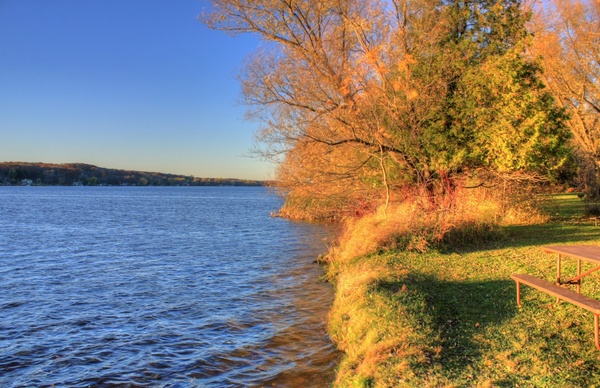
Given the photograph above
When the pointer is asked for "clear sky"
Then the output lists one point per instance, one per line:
(128, 84)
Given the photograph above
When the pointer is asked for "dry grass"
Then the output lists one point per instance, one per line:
(357, 331)
(415, 225)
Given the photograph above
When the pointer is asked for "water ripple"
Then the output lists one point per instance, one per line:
(168, 287)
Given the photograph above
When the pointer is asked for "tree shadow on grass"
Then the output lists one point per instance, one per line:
(526, 235)
(550, 234)
(459, 311)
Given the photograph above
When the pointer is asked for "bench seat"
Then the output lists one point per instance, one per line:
(561, 293)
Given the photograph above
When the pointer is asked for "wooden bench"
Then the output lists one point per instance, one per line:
(561, 293)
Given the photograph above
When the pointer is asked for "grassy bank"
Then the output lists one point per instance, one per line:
(449, 317)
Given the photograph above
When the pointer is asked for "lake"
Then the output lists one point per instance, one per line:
(160, 287)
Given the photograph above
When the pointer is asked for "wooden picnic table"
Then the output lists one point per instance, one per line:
(586, 253)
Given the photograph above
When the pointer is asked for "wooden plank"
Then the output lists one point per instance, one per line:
(589, 253)
(561, 293)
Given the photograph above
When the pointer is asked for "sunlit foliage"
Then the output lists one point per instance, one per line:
(567, 37)
(363, 99)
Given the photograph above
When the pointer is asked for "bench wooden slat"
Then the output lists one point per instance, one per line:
(561, 293)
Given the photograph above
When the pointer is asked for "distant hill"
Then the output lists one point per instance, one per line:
(79, 174)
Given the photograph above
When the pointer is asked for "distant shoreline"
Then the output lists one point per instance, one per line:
(81, 174)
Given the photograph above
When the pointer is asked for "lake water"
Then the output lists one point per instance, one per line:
(159, 287)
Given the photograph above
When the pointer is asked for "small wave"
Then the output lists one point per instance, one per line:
(170, 288)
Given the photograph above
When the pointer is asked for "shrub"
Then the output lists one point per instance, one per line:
(413, 224)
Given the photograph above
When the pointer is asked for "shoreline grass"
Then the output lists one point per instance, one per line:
(449, 318)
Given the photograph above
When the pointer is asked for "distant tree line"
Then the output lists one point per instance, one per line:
(14, 173)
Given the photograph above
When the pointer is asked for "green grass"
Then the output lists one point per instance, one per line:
(450, 318)
(564, 207)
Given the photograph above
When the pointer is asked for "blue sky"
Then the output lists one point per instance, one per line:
(130, 84)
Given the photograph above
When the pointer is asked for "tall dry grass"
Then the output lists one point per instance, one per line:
(414, 224)
(356, 325)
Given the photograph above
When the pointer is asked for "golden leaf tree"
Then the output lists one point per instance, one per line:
(567, 36)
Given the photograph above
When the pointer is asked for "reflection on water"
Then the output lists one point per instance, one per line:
(159, 287)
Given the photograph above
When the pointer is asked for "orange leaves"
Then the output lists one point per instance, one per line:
(567, 40)
(412, 94)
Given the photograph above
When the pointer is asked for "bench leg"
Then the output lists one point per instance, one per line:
(519, 294)
(579, 274)
(558, 272)
(596, 336)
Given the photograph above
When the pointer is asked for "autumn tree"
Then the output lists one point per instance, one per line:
(567, 37)
(363, 98)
